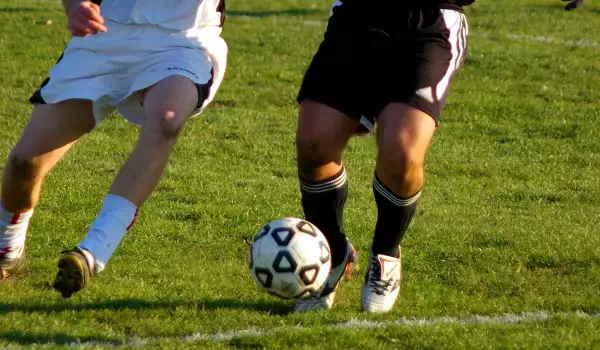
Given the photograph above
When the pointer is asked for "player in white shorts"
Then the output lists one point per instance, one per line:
(159, 63)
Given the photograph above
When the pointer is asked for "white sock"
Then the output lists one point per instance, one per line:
(13, 230)
(114, 220)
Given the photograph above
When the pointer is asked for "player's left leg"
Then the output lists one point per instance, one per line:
(420, 69)
(50, 132)
(403, 137)
(167, 106)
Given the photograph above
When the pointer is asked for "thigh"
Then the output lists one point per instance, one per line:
(322, 135)
(205, 69)
(323, 124)
(169, 103)
(404, 131)
(53, 128)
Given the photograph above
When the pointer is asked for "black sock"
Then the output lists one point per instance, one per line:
(394, 214)
(323, 205)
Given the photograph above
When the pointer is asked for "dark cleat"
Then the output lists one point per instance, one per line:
(74, 272)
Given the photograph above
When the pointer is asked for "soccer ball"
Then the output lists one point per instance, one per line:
(290, 258)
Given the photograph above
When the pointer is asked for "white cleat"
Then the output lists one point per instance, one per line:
(382, 283)
(323, 298)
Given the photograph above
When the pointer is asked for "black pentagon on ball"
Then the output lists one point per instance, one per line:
(282, 256)
(264, 276)
(263, 231)
(307, 227)
(308, 274)
(324, 252)
(283, 235)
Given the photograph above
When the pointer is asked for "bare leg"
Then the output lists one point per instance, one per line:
(403, 136)
(322, 136)
(167, 105)
(49, 134)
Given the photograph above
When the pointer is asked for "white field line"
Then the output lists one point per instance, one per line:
(512, 36)
(354, 324)
(538, 39)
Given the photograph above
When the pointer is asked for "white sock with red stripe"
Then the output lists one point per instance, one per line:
(114, 220)
(13, 230)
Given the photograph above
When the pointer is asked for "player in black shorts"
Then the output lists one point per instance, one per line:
(573, 4)
(384, 61)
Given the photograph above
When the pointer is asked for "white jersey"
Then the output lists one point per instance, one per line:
(178, 15)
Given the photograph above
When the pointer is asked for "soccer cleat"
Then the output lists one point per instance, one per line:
(74, 272)
(10, 267)
(323, 298)
(382, 283)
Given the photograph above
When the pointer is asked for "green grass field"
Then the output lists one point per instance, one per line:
(509, 223)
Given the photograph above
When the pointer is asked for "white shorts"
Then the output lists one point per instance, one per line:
(111, 68)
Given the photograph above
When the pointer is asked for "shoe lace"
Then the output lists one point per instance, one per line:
(380, 286)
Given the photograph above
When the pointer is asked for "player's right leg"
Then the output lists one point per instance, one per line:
(322, 135)
(330, 110)
(167, 105)
(176, 80)
(50, 132)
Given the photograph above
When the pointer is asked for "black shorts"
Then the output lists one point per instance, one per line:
(366, 62)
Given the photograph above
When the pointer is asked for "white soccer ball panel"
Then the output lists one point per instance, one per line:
(264, 251)
(310, 250)
(316, 264)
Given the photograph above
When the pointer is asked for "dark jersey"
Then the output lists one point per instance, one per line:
(458, 2)
(454, 4)
(449, 4)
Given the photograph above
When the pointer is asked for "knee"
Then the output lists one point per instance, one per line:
(23, 166)
(170, 124)
(402, 163)
(315, 150)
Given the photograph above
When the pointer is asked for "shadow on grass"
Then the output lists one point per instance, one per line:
(31, 338)
(262, 14)
(269, 307)
(19, 9)
(62, 339)
(273, 308)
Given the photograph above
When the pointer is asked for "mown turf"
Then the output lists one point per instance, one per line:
(508, 223)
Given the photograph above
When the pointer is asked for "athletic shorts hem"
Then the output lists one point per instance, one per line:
(38, 98)
(339, 106)
(371, 119)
